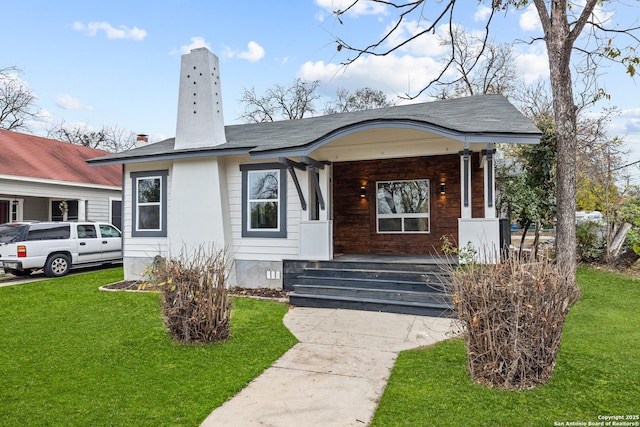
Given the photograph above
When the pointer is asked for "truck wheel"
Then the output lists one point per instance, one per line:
(57, 265)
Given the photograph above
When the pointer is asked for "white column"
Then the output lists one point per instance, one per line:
(465, 183)
(82, 210)
(488, 164)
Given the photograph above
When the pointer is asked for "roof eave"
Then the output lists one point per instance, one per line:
(173, 155)
(464, 137)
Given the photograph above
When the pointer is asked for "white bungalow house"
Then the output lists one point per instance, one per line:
(39, 175)
(388, 181)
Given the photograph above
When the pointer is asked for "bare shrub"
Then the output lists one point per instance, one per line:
(195, 304)
(513, 315)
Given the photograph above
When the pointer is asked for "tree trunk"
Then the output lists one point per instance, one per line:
(524, 235)
(618, 240)
(559, 51)
(536, 240)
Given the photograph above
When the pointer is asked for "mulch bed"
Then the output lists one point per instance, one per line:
(137, 286)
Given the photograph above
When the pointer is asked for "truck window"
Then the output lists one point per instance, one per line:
(87, 232)
(108, 231)
(10, 233)
(49, 232)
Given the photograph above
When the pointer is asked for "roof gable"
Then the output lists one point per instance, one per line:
(30, 156)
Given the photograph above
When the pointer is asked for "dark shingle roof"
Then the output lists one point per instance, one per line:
(491, 116)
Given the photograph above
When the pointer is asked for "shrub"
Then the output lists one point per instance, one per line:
(589, 241)
(195, 304)
(512, 315)
(633, 238)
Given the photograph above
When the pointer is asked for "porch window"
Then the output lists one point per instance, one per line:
(149, 190)
(64, 210)
(264, 200)
(403, 206)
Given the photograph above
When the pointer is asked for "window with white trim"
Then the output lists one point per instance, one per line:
(403, 206)
(149, 190)
(264, 201)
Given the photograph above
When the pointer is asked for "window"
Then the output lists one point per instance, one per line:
(64, 210)
(87, 232)
(264, 196)
(107, 231)
(149, 204)
(49, 232)
(403, 206)
(116, 213)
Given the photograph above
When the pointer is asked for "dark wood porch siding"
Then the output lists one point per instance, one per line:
(355, 218)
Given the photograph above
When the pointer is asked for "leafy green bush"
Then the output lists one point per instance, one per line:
(589, 241)
(633, 238)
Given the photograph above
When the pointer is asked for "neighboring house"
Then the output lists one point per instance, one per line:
(386, 181)
(39, 176)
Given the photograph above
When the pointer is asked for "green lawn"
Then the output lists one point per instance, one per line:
(73, 355)
(597, 372)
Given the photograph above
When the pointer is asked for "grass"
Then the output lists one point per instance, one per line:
(597, 372)
(73, 355)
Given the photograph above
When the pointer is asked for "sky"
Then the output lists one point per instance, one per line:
(117, 63)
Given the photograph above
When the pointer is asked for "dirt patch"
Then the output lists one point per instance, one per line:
(139, 286)
(259, 292)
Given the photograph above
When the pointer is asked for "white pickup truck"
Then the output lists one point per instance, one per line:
(57, 246)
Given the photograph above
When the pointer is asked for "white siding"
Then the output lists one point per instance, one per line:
(262, 249)
(142, 247)
(37, 196)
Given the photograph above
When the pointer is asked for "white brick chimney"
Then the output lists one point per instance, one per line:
(200, 121)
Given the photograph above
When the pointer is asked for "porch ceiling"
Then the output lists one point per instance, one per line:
(383, 143)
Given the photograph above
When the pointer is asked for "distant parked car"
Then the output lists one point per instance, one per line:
(57, 246)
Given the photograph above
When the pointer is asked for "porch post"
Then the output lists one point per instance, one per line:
(465, 181)
(489, 182)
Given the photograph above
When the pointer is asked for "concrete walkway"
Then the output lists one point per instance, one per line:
(337, 372)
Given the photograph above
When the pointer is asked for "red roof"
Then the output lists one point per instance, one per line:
(35, 157)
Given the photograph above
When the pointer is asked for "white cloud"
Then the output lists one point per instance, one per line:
(68, 102)
(360, 8)
(254, 52)
(533, 63)
(392, 74)
(112, 33)
(482, 13)
(196, 42)
(529, 19)
(427, 44)
(631, 119)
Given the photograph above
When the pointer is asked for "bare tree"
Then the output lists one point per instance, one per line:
(17, 102)
(108, 138)
(563, 22)
(481, 67)
(294, 101)
(362, 99)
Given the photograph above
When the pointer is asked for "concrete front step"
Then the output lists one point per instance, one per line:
(373, 286)
(371, 304)
(387, 284)
(373, 293)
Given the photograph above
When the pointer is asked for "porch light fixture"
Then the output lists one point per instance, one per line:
(363, 192)
(442, 188)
